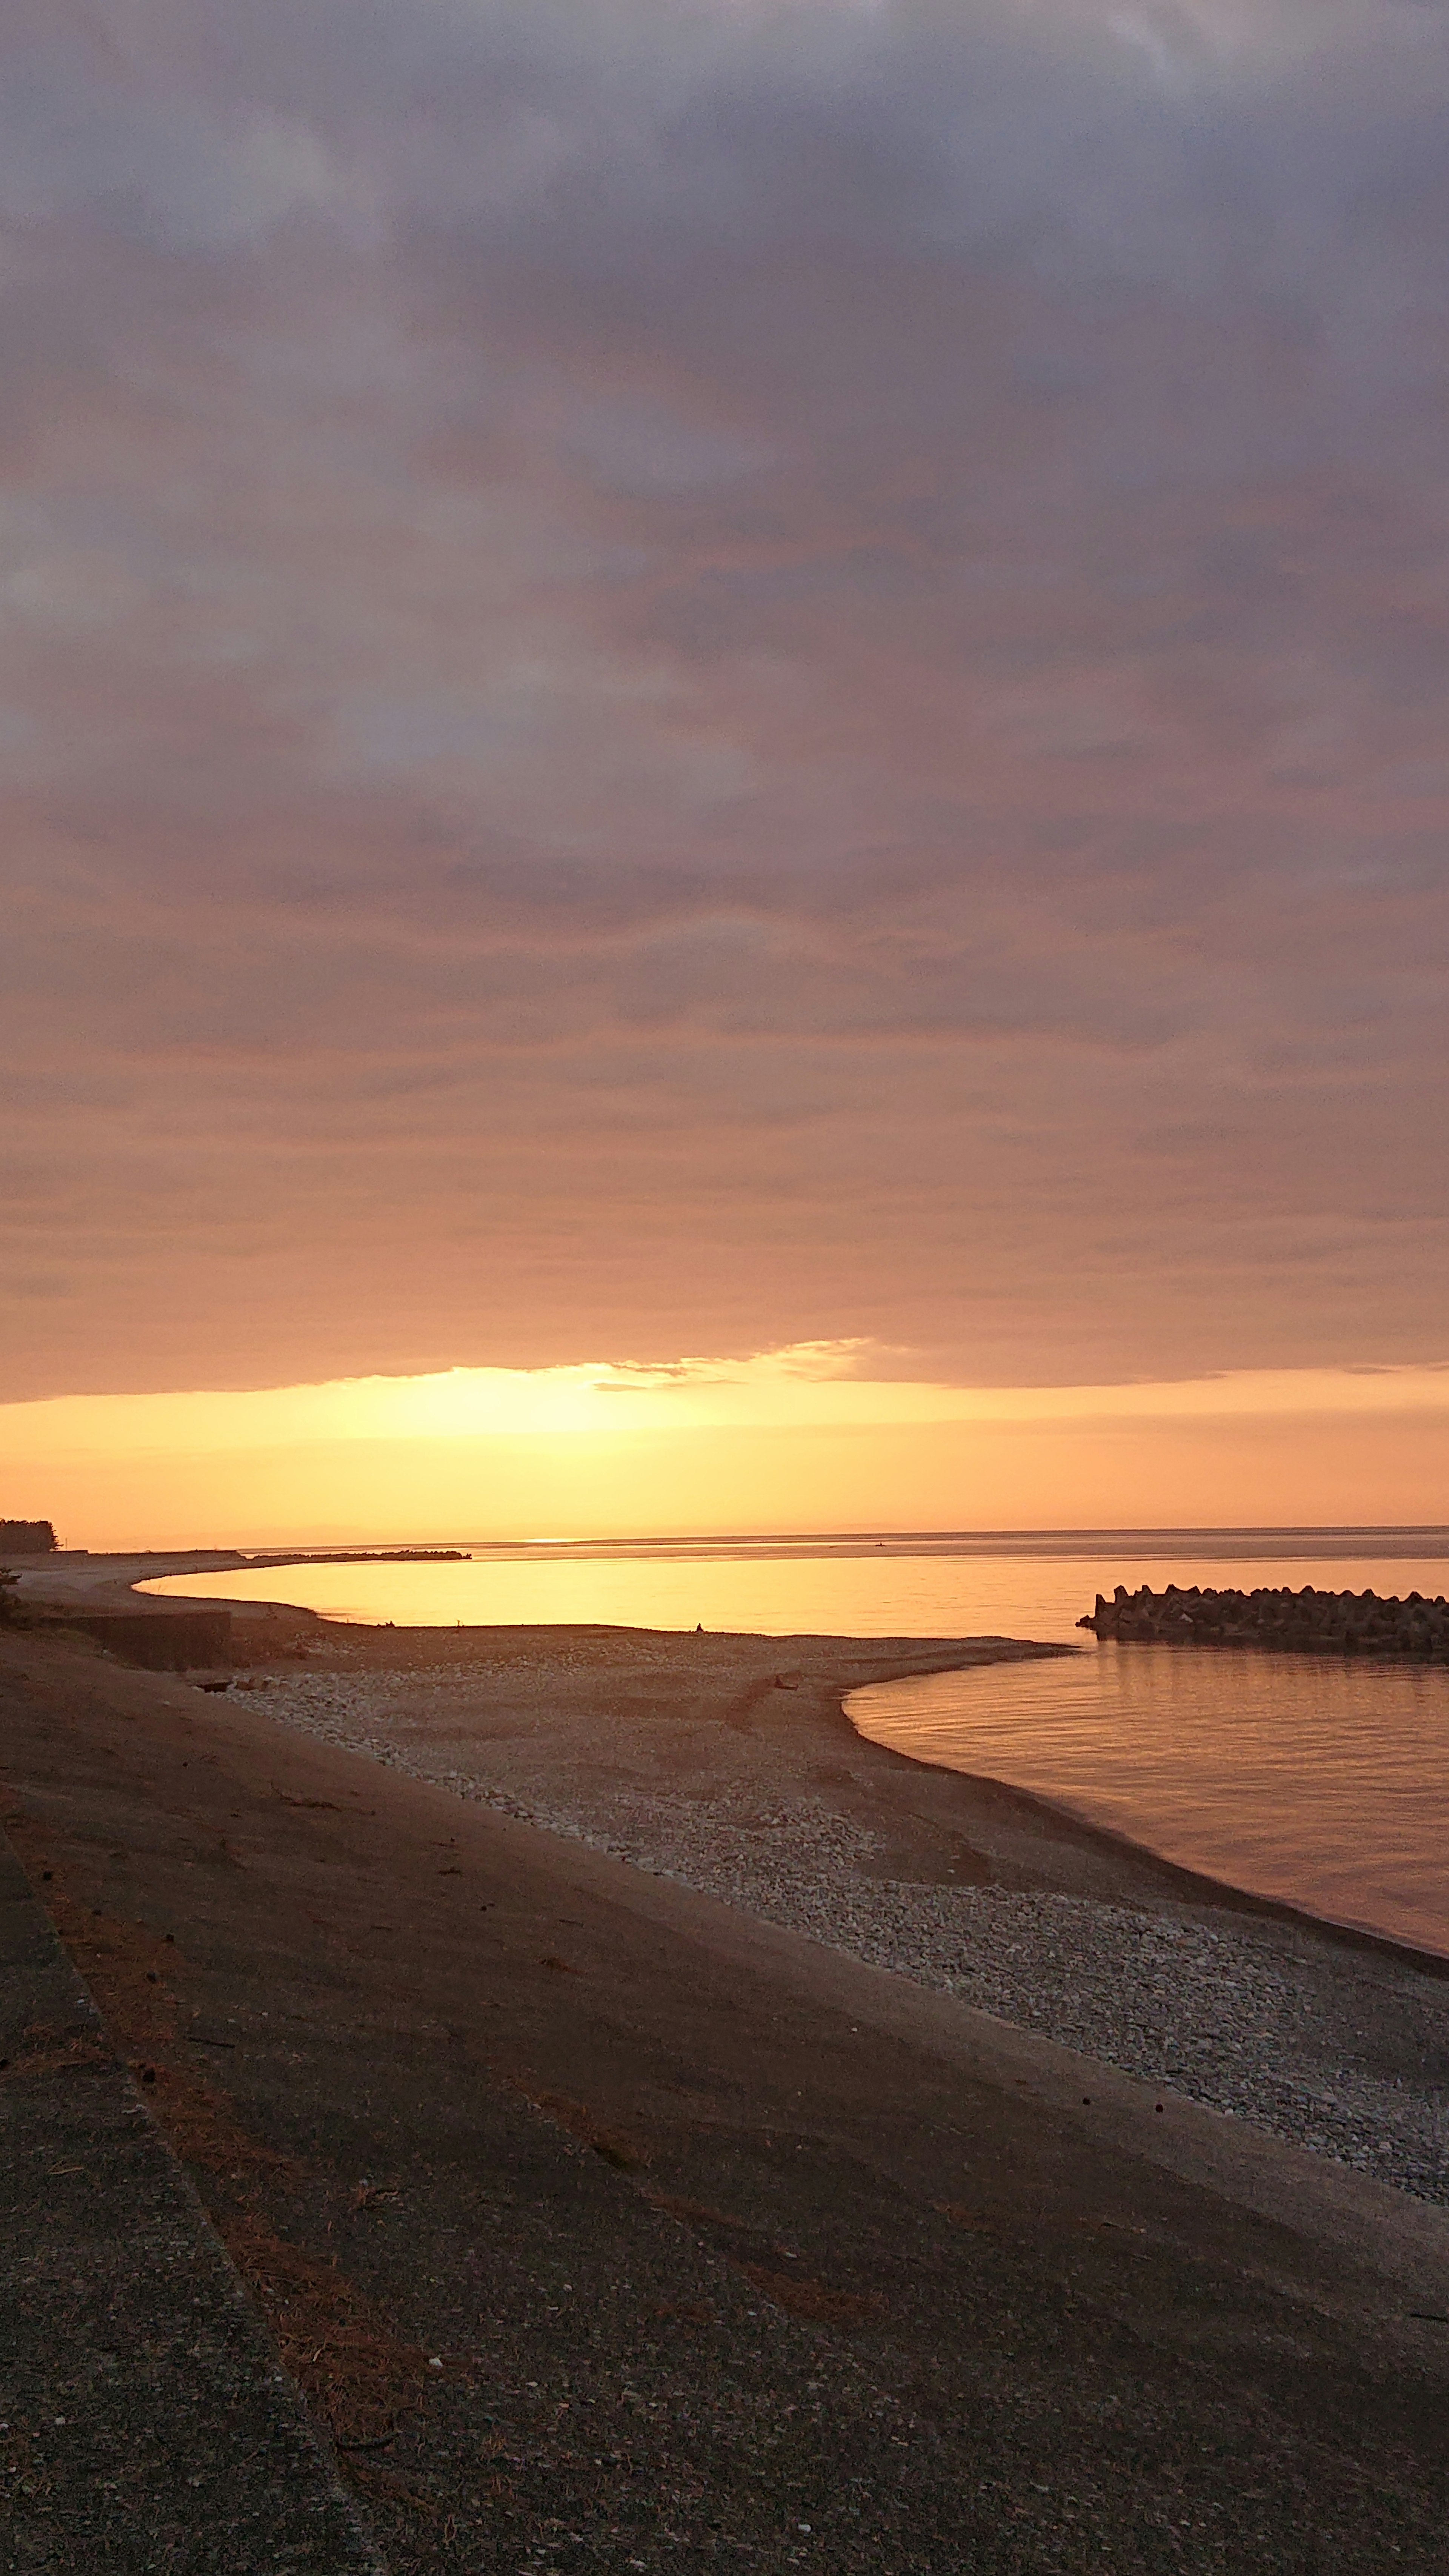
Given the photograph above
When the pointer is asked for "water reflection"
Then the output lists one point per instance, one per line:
(1319, 1781)
(886, 1588)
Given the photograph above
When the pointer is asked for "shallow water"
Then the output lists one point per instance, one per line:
(1322, 1782)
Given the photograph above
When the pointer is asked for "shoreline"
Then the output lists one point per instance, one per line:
(1194, 1885)
(1191, 1884)
(699, 1759)
(1202, 1884)
(103, 1577)
(584, 2203)
(774, 1803)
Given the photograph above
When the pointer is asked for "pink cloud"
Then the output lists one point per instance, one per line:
(676, 679)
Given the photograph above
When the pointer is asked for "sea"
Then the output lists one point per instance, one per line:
(1314, 1780)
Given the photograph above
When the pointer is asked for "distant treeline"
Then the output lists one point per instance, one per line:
(27, 1538)
(361, 1556)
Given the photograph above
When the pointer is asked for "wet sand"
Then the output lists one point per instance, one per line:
(603, 2220)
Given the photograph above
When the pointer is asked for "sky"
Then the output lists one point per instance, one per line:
(799, 1439)
(694, 680)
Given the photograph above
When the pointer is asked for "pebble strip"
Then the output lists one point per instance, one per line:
(1229, 2014)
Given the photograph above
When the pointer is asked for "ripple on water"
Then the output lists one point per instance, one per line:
(1318, 1782)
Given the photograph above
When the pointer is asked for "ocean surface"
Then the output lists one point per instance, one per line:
(1319, 1781)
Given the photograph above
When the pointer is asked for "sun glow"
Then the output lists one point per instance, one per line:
(815, 1435)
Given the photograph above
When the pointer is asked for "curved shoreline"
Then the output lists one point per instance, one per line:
(700, 1762)
(1191, 1886)
(1177, 1881)
(728, 1766)
(695, 2209)
(1182, 1880)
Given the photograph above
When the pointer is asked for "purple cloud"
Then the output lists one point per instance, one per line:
(711, 675)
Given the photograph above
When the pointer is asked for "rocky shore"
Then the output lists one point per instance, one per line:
(1304, 1622)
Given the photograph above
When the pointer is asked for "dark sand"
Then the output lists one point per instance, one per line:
(606, 2227)
(142, 2402)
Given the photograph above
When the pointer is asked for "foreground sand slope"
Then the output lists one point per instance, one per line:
(140, 2398)
(606, 2227)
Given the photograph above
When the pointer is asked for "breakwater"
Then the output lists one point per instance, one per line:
(1304, 1622)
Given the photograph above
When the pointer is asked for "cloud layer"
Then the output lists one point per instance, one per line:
(689, 676)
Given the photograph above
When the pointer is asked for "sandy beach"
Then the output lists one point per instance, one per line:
(726, 1765)
(680, 2209)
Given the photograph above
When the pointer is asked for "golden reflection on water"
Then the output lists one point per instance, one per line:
(892, 1588)
(759, 1592)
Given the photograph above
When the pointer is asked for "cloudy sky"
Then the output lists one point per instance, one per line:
(685, 676)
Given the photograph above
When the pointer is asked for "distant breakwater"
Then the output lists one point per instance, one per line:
(1306, 1622)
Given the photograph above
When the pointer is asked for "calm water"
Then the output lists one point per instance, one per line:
(1322, 1782)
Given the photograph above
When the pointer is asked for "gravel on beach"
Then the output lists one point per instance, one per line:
(1341, 2050)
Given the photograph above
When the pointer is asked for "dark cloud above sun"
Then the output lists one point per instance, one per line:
(679, 678)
